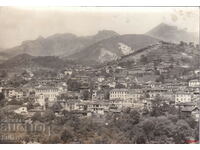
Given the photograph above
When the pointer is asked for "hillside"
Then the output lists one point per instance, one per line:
(172, 34)
(183, 55)
(59, 44)
(102, 47)
(32, 62)
(3, 56)
(113, 48)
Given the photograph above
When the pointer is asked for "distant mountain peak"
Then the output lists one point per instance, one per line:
(162, 27)
(62, 35)
(40, 38)
(165, 24)
(171, 33)
(107, 32)
(60, 44)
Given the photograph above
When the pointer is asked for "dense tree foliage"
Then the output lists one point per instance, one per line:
(126, 127)
(159, 125)
(73, 85)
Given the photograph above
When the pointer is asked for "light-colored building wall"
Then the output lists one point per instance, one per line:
(183, 97)
(135, 95)
(119, 94)
(46, 93)
(12, 92)
(68, 72)
(21, 110)
(100, 79)
(194, 83)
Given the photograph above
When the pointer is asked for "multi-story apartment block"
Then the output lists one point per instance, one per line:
(13, 92)
(194, 83)
(135, 94)
(119, 94)
(182, 97)
(47, 93)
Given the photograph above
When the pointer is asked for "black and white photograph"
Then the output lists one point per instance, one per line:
(99, 75)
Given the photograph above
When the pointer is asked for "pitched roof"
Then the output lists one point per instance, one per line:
(119, 90)
(189, 109)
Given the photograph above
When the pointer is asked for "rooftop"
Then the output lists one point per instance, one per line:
(189, 109)
(119, 90)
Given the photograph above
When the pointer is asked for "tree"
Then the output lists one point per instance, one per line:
(182, 132)
(191, 44)
(134, 117)
(182, 43)
(1, 99)
(86, 94)
(157, 72)
(143, 59)
(3, 74)
(137, 135)
(56, 107)
(37, 117)
(107, 94)
(1, 96)
(159, 107)
(120, 86)
(127, 63)
(164, 127)
(127, 120)
(161, 79)
(73, 85)
(48, 116)
(14, 101)
(53, 139)
(67, 136)
(30, 105)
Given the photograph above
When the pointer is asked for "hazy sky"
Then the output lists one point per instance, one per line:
(27, 23)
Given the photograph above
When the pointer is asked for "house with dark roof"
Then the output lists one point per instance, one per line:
(190, 112)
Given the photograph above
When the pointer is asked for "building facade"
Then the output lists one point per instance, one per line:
(182, 97)
(194, 83)
(119, 94)
(43, 94)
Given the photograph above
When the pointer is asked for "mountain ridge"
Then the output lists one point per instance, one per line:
(172, 33)
(58, 44)
(114, 46)
(104, 46)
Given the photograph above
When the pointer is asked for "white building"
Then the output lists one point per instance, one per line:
(194, 83)
(12, 92)
(94, 94)
(197, 71)
(112, 84)
(68, 72)
(71, 105)
(93, 107)
(183, 97)
(21, 110)
(119, 94)
(49, 94)
(100, 79)
(135, 94)
(128, 103)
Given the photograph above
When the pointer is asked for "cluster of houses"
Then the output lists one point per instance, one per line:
(108, 89)
(118, 99)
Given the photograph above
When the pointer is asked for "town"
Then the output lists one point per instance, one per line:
(95, 92)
